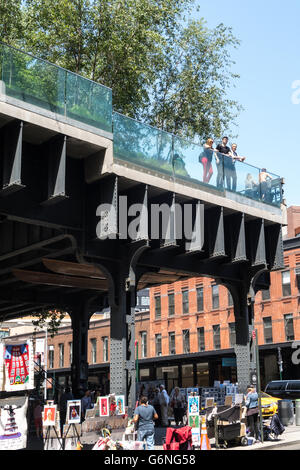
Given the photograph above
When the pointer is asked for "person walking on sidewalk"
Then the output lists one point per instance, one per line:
(177, 403)
(164, 404)
(252, 412)
(144, 417)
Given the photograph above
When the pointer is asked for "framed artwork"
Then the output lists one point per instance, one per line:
(120, 405)
(194, 421)
(73, 411)
(49, 415)
(18, 366)
(193, 405)
(196, 437)
(103, 406)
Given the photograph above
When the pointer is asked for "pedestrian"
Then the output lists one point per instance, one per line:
(155, 403)
(86, 403)
(206, 160)
(250, 186)
(177, 403)
(67, 395)
(144, 417)
(265, 184)
(230, 169)
(164, 404)
(251, 403)
(97, 394)
(37, 416)
(223, 156)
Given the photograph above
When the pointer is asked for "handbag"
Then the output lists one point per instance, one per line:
(252, 411)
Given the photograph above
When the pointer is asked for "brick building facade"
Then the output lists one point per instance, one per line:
(187, 337)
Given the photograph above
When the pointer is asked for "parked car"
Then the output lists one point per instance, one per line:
(285, 389)
(269, 405)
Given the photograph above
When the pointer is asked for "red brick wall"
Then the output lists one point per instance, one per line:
(276, 308)
(293, 218)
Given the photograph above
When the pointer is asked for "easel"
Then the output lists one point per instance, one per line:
(76, 434)
(47, 437)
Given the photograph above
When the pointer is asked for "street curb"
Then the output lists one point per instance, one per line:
(280, 444)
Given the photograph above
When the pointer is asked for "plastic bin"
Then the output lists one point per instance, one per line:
(286, 412)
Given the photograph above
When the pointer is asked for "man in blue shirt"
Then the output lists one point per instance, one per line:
(144, 417)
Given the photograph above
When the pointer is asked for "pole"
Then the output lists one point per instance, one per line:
(258, 387)
(46, 362)
(280, 362)
(137, 362)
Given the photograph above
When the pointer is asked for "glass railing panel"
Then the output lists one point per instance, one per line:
(142, 144)
(197, 164)
(32, 80)
(242, 178)
(271, 188)
(88, 102)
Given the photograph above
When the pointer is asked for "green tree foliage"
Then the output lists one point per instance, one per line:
(162, 70)
(11, 25)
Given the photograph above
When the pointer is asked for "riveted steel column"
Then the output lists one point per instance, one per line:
(122, 344)
(79, 368)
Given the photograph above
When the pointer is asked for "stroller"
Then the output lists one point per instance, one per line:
(274, 430)
(226, 426)
(178, 439)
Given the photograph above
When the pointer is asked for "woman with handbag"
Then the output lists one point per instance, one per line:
(252, 412)
(177, 403)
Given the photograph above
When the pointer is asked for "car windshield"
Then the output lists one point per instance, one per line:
(265, 395)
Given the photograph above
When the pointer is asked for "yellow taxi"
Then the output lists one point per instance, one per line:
(269, 404)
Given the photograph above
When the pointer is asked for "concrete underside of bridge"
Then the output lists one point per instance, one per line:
(53, 178)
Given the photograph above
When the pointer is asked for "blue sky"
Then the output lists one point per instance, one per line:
(268, 62)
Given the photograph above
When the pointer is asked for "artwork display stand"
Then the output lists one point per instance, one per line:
(48, 437)
(74, 432)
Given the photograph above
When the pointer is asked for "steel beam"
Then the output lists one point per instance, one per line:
(12, 158)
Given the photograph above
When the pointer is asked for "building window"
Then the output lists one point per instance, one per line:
(143, 344)
(51, 357)
(185, 301)
(286, 283)
(265, 294)
(172, 348)
(200, 300)
(61, 354)
(158, 351)
(289, 327)
(230, 299)
(171, 299)
(201, 339)
(105, 348)
(157, 303)
(186, 341)
(232, 334)
(215, 296)
(94, 350)
(267, 321)
(71, 352)
(216, 336)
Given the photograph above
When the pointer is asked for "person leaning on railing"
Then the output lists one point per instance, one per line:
(264, 181)
(229, 167)
(206, 159)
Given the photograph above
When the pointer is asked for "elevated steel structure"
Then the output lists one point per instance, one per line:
(54, 253)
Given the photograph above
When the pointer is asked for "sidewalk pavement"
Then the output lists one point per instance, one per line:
(291, 435)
